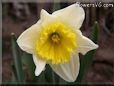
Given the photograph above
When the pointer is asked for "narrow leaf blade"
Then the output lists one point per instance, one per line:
(17, 59)
(27, 60)
(14, 76)
(56, 5)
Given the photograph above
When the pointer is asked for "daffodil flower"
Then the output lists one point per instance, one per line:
(57, 40)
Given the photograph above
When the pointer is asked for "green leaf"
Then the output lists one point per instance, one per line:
(50, 76)
(56, 5)
(42, 79)
(27, 60)
(14, 76)
(95, 32)
(13, 80)
(87, 59)
(17, 60)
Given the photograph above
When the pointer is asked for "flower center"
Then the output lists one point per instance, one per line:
(55, 43)
(55, 37)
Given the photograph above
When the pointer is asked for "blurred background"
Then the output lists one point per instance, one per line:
(17, 17)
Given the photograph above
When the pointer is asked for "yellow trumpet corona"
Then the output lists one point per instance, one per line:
(56, 42)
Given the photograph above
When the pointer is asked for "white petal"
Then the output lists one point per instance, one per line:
(68, 71)
(73, 15)
(84, 43)
(44, 15)
(40, 65)
(46, 18)
(27, 39)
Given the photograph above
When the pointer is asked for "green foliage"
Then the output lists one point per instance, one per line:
(56, 5)
(28, 62)
(17, 61)
(95, 32)
(14, 76)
